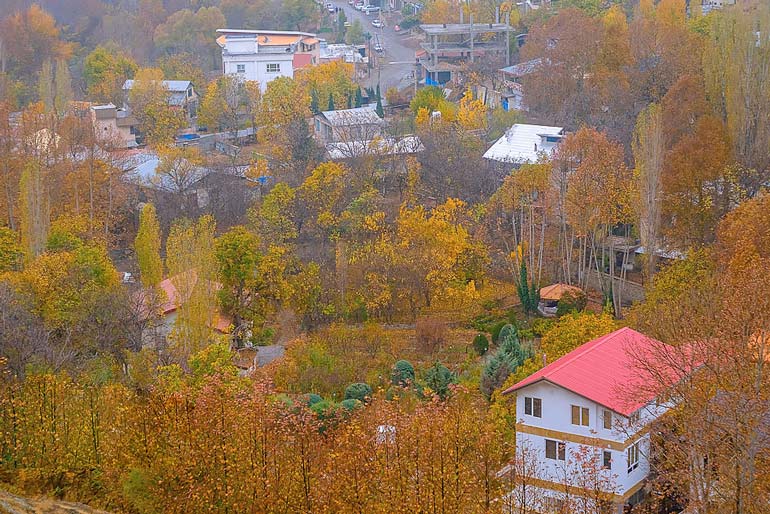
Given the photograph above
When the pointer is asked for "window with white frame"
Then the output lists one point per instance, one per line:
(607, 459)
(273, 67)
(607, 419)
(555, 450)
(533, 406)
(579, 415)
(632, 456)
(240, 68)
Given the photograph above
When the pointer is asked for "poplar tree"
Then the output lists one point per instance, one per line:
(34, 210)
(63, 93)
(147, 245)
(649, 151)
(45, 86)
(192, 267)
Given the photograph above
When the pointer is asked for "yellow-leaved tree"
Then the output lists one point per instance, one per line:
(192, 269)
(148, 98)
(147, 246)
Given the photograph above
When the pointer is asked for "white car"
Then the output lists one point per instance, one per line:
(378, 48)
(330, 7)
(377, 23)
(369, 9)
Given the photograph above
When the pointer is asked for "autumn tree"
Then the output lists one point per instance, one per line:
(105, 70)
(649, 154)
(188, 31)
(223, 104)
(34, 209)
(238, 257)
(736, 67)
(148, 98)
(699, 184)
(29, 38)
(147, 246)
(192, 268)
(284, 107)
(333, 79)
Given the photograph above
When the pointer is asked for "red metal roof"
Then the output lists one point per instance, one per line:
(602, 370)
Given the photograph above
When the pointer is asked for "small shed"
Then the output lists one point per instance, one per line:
(550, 296)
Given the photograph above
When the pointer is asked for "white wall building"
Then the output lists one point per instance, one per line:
(586, 438)
(262, 56)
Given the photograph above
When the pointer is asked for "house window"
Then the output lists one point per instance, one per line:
(554, 449)
(607, 419)
(633, 419)
(607, 459)
(533, 407)
(273, 67)
(632, 456)
(240, 68)
(189, 91)
(579, 415)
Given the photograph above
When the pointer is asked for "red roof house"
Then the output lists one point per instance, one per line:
(604, 370)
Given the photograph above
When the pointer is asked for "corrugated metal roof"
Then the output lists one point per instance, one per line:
(176, 86)
(524, 144)
(358, 116)
(601, 370)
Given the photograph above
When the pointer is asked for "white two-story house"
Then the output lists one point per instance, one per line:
(262, 56)
(582, 423)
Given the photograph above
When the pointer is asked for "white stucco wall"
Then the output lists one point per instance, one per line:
(256, 66)
(557, 416)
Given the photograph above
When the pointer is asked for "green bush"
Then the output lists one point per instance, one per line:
(438, 378)
(481, 344)
(358, 391)
(350, 404)
(402, 373)
(324, 409)
(496, 328)
(509, 356)
(312, 399)
(571, 302)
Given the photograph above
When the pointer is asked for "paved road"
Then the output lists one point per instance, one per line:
(397, 63)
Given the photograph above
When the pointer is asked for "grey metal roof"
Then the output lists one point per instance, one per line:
(358, 116)
(175, 86)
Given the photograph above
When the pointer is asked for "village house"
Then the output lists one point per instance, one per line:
(525, 144)
(582, 421)
(264, 55)
(161, 310)
(348, 125)
(182, 95)
(114, 124)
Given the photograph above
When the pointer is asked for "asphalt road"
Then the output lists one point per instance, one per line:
(396, 64)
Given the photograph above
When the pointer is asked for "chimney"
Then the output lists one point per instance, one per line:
(536, 147)
(497, 14)
(545, 360)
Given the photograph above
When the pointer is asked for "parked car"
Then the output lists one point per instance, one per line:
(370, 9)
(377, 23)
(359, 6)
(378, 48)
(347, 24)
(330, 7)
(351, 2)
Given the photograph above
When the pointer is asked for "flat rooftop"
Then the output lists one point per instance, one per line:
(439, 29)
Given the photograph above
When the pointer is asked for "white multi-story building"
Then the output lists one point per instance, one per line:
(583, 427)
(262, 56)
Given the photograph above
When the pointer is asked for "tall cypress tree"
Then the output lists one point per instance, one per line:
(359, 97)
(331, 103)
(314, 108)
(379, 110)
